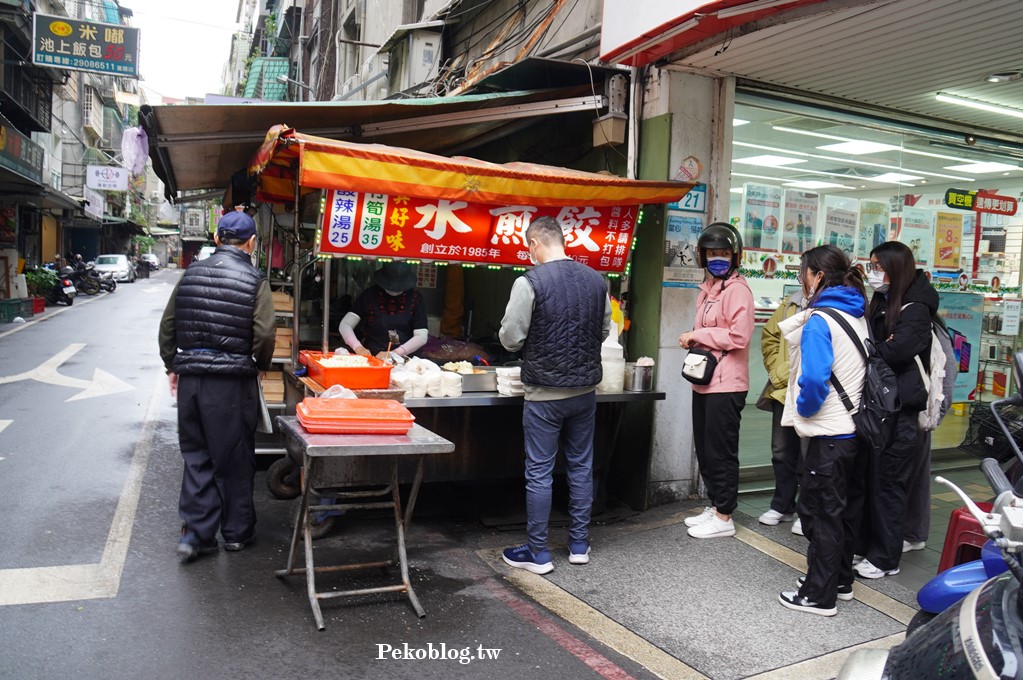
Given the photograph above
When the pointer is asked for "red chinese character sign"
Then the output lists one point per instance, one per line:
(378, 225)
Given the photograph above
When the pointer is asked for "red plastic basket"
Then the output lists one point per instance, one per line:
(375, 376)
(354, 416)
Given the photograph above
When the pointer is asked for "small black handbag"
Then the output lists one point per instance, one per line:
(698, 366)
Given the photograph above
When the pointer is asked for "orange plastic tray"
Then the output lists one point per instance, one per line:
(354, 416)
(375, 376)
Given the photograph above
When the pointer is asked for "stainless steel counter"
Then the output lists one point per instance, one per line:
(495, 399)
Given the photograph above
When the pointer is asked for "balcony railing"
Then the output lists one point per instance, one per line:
(31, 96)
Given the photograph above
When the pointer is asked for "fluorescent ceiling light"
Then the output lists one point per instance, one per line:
(895, 177)
(750, 7)
(851, 161)
(815, 184)
(769, 161)
(857, 147)
(821, 135)
(975, 104)
(980, 168)
(736, 122)
(736, 190)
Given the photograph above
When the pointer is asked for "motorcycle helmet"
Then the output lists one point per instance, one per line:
(719, 236)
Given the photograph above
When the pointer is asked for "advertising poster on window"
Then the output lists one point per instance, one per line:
(761, 210)
(948, 240)
(681, 263)
(840, 219)
(916, 232)
(874, 223)
(379, 225)
(800, 219)
(963, 314)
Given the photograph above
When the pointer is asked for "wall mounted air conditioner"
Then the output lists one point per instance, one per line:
(414, 59)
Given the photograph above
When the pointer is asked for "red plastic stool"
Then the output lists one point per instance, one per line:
(964, 538)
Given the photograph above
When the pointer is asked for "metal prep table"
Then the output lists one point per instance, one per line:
(318, 452)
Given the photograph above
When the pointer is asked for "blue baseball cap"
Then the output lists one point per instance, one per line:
(236, 225)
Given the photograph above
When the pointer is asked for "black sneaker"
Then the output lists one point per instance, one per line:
(845, 592)
(792, 600)
(190, 547)
(235, 546)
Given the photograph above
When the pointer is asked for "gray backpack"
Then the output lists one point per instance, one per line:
(940, 380)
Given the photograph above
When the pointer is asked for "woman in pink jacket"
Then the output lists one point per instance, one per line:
(724, 325)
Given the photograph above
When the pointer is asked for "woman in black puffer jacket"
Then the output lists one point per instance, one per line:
(900, 316)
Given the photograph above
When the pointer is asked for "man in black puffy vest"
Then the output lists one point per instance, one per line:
(216, 336)
(558, 314)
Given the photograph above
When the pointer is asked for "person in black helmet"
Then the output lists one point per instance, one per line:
(724, 325)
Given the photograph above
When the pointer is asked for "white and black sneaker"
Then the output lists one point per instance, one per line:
(792, 600)
(845, 592)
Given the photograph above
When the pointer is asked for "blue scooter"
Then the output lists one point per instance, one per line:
(952, 585)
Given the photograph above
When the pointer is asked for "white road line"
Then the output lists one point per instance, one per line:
(33, 585)
(102, 383)
(3, 426)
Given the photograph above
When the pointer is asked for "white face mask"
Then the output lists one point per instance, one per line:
(876, 281)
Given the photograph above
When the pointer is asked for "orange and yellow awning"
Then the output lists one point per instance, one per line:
(316, 162)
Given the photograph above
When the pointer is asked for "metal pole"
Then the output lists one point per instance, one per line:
(326, 304)
(297, 273)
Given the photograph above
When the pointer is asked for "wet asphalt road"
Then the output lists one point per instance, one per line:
(89, 583)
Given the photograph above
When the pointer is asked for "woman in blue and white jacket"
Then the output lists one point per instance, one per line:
(832, 489)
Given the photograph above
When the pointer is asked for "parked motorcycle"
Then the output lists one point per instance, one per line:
(84, 281)
(982, 635)
(105, 279)
(64, 290)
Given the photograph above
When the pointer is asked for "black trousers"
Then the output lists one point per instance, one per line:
(786, 454)
(716, 420)
(830, 507)
(216, 429)
(891, 476)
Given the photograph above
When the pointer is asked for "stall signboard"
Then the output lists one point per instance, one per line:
(917, 232)
(379, 225)
(79, 45)
(761, 210)
(948, 239)
(963, 314)
(800, 219)
(106, 178)
(840, 221)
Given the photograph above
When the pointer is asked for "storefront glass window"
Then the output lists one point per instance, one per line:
(803, 177)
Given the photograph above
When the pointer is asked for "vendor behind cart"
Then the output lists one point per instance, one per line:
(391, 305)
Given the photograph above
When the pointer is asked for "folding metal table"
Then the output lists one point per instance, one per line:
(319, 455)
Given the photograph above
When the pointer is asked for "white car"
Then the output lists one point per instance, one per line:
(152, 260)
(118, 265)
(205, 252)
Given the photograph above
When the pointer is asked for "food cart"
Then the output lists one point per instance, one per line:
(382, 202)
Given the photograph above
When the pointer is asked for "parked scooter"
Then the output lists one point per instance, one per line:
(982, 635)
(105, 279)
(64, 290)
(84, 281)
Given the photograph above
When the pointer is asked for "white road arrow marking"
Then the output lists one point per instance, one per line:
(3, 426)
(102, 383)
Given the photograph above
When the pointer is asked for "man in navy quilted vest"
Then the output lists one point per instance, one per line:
(216, 337)
(558, 314)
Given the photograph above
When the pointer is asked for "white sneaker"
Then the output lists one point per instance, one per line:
(713, 528)
(797, 527)
(857, 559)
(868, 570)
(910, 546)
(773, 517)
(701, 518)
